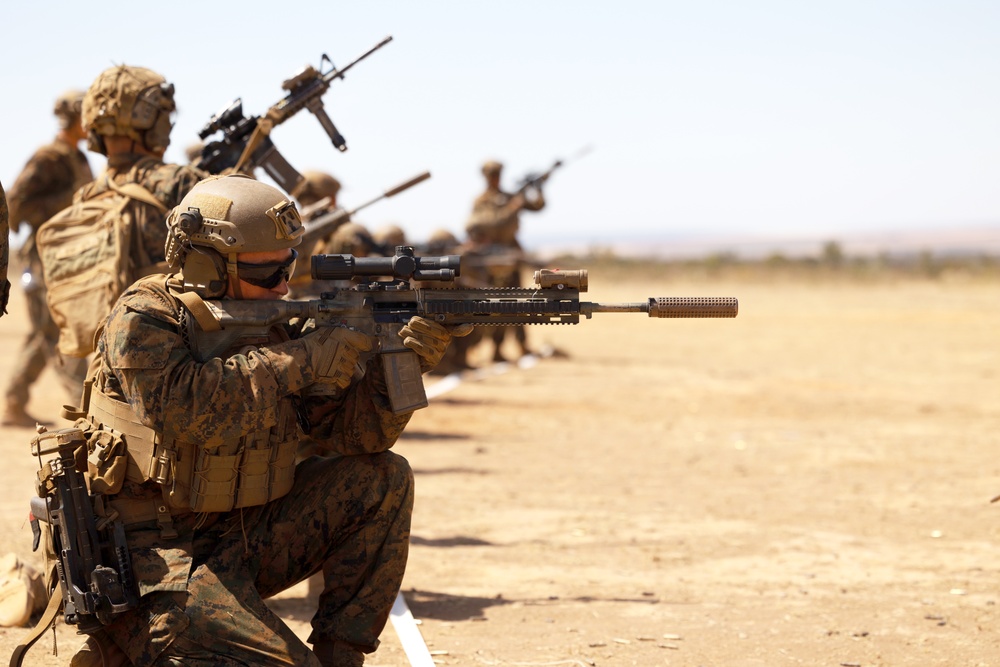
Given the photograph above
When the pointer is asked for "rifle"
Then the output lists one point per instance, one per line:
(328, 222)
(245, 143)
(535, 180)
(382, 308)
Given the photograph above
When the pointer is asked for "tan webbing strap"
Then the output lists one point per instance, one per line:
(201, 313)
(136, 191)
(44, 623)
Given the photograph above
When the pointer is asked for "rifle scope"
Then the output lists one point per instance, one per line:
(402, 266)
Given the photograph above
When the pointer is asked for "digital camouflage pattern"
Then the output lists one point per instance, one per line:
(45, 186)
(47, 183)
(347, 514)
(493, 226)
(168, 183)
(495, 218)
(4, 251)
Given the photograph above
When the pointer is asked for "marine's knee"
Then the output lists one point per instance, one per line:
(397, 474)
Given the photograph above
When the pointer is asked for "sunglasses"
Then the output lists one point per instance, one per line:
(269, 275)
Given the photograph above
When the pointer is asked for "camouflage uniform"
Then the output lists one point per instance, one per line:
(167, 182)
(316, 194)
(346, 515)
(4, 251)
(492, 229)
(44, 187)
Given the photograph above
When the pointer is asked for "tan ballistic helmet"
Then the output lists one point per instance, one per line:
(132, 102)
(315, 185)
(441, 241)
(491, 168)
(220, 217)
(352, 239)
(68, 108)
(390, 236)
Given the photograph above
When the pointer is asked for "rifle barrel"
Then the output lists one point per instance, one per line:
(339, 73)
(671, 306)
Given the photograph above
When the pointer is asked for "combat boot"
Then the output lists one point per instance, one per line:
(22, 592)
(15, 415)
(335, 653)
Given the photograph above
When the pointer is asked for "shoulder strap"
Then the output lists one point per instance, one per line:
(46, 621)
(201, 312)
(136, 191)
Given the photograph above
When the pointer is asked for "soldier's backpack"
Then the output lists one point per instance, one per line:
(90, 253)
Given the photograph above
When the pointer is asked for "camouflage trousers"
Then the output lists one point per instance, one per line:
(519, 331)
(348, 517)
(38, 351)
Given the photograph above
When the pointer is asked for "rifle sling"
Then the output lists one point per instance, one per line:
(44, 623)
(201, 313)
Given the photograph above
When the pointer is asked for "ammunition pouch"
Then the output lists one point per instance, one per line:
(244, 472)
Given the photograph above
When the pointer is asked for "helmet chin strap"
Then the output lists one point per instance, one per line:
(234, 275)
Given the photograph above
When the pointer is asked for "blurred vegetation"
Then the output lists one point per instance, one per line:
(830, 263)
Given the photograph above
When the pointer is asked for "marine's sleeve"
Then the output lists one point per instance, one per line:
(143, 346)
(42, 189)
(359, 422)
(168, 183)
(172, 181)
(536, 203)
(4, 252)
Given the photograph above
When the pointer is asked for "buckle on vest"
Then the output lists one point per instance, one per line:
(165, 521)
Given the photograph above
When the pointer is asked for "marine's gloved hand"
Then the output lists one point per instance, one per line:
(333, 354)
(430, 340)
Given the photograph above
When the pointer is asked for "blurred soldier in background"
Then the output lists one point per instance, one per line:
(128, 115)
(443, 242)
(492, 229)
(316, 194)
(193, 151)
(45, 187)
(312, 190)
(390, 236)
(352, 239)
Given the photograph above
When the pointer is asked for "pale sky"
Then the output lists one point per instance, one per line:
(787, 118)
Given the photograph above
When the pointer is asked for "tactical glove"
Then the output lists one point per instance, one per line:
(430, 340)
(333, 354)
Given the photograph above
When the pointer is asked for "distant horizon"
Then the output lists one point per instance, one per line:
(969, 239)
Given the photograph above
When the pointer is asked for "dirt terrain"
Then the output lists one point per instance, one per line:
(807, 484)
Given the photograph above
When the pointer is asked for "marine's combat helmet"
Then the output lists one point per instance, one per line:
(441, 242)
(220, 217)
(353, 239)
(315, 185)
(132, 102)
(390, 236)
(68, 108)
(492, 168)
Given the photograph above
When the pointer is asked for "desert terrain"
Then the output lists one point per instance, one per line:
(806, 484)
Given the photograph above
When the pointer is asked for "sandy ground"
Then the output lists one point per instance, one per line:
(807, 484)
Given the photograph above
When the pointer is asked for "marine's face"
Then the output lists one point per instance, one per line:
(270, 258)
